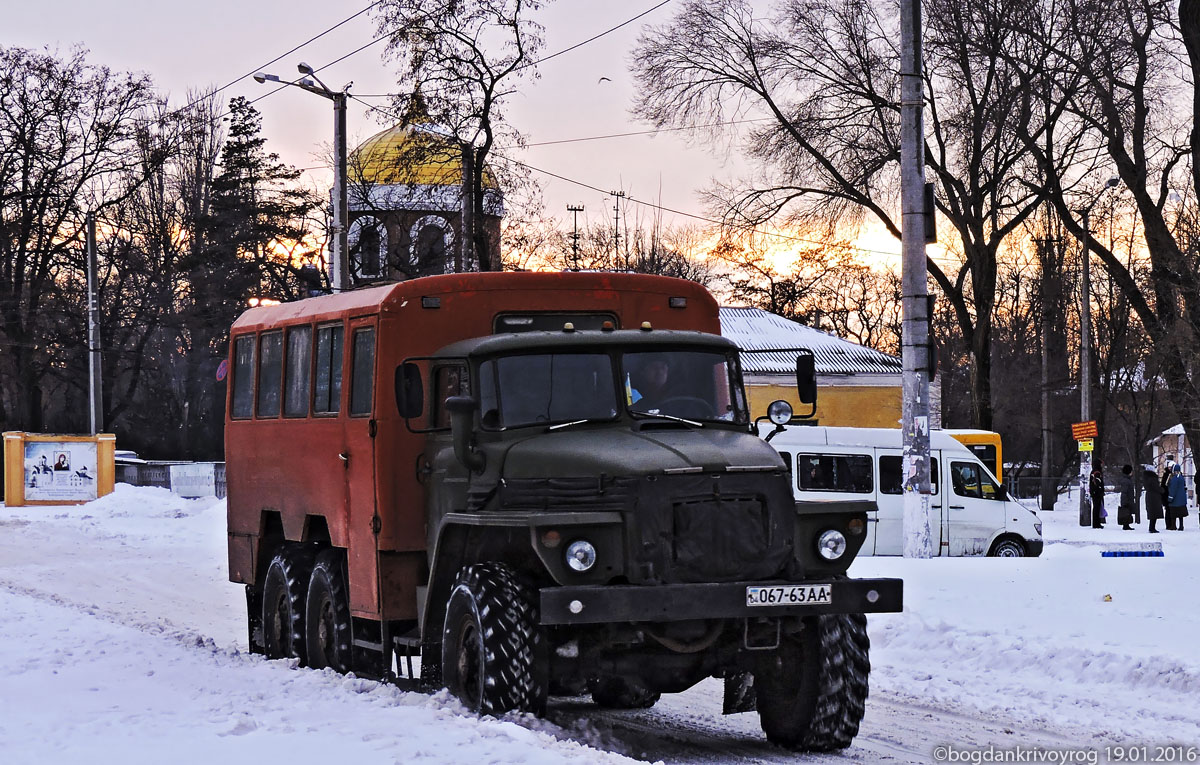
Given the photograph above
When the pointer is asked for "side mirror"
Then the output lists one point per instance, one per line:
(462, 411)
(806, 380)
(410, 394)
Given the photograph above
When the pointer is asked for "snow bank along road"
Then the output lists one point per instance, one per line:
(122, 641)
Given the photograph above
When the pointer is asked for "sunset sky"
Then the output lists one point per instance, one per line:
(189, 46)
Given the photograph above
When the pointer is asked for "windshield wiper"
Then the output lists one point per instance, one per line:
(673, 418)
(578, 422)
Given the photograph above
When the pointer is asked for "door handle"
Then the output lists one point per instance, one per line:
(345, 458)
(958, 507)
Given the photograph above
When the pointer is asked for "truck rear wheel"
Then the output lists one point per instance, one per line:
(812, 690)
(492, 647)
(616, 692)
(328, 633)
(285, 588)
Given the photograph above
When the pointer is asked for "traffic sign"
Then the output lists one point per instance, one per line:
(1087, 445)
(1084, 430)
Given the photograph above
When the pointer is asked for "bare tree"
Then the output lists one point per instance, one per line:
(461, 61)
(823, 73)
(67, 130)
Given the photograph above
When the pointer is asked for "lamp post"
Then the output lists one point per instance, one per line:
(1085, 355)
(339, 267)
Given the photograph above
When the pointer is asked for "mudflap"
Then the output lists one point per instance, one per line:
(739, 694)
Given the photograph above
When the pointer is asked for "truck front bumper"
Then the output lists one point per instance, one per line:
(598, 604)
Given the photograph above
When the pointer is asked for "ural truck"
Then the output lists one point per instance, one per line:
(538, 484)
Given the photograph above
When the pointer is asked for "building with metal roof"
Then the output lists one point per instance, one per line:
(857, 386)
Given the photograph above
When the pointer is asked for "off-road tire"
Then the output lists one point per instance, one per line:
(329, 632)
(493, 656)
(615, 692)
(812, 690)
(1008, 547)
(285, 589)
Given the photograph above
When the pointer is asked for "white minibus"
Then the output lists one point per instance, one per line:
(972, 511)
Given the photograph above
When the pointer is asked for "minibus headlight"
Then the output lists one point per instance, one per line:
(831, 545)
(581, 555)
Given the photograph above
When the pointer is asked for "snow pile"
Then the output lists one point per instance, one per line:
(1071, 639)
(123, 641)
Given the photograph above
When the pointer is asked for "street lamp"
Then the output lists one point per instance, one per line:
(1085, 355)
(339, 270)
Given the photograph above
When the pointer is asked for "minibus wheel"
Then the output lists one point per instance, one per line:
(812, 690)
(493, 655)
(1008, 547)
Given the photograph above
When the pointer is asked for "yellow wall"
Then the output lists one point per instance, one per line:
(857, 406)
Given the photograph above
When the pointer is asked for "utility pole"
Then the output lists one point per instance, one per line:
(468, 208)
(618, 195)
(1085, 370)
(96, 391)
(339, 266)
(575, 210)
(918, 526)
(1049, 298)
(1085, 355)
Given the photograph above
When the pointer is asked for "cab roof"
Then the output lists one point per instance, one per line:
(522, 342)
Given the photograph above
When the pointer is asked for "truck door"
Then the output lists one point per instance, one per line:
(889, 531)
(976, 509)
(358, 463)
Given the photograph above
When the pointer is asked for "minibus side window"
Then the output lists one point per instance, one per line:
(891, 474)
(969, 481)
(787, 461)
(328, 396)
(298, 376)
(243, 377)
(362, 376)
(270, 373)
(851, 473)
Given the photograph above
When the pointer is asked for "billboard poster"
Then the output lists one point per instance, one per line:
(58, 471)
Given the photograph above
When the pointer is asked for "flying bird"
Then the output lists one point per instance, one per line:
(603, 79)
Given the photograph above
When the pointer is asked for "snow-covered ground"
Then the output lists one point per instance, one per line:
(122, 641)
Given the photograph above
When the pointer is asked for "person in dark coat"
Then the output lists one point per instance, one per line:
(1166, 478)
(1176, 498)
(1096, 489)
(1128, 497)
(1152, 491)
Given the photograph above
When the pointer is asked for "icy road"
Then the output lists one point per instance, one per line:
(122, 641)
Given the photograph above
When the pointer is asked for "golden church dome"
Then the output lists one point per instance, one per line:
(416, 154)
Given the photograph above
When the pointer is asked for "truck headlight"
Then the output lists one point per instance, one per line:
(779, 412)
(831, 545)
(581, 555)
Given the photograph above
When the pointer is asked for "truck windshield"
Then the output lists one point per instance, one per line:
(693, 385)
(546, 388)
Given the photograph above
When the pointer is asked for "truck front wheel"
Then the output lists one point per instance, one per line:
(812, 690)
(285, 588)
(492, 648)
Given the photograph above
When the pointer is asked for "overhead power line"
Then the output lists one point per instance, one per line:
(556, 54)
(310, 40)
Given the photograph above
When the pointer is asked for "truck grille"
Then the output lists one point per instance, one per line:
(719, 538)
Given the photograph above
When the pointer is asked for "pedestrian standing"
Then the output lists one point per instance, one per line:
(1096, 489)
(1176, 499)
(1166, 479)
(1128, 497)
(1152, 491)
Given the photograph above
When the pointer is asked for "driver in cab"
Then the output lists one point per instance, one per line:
(650, 386)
